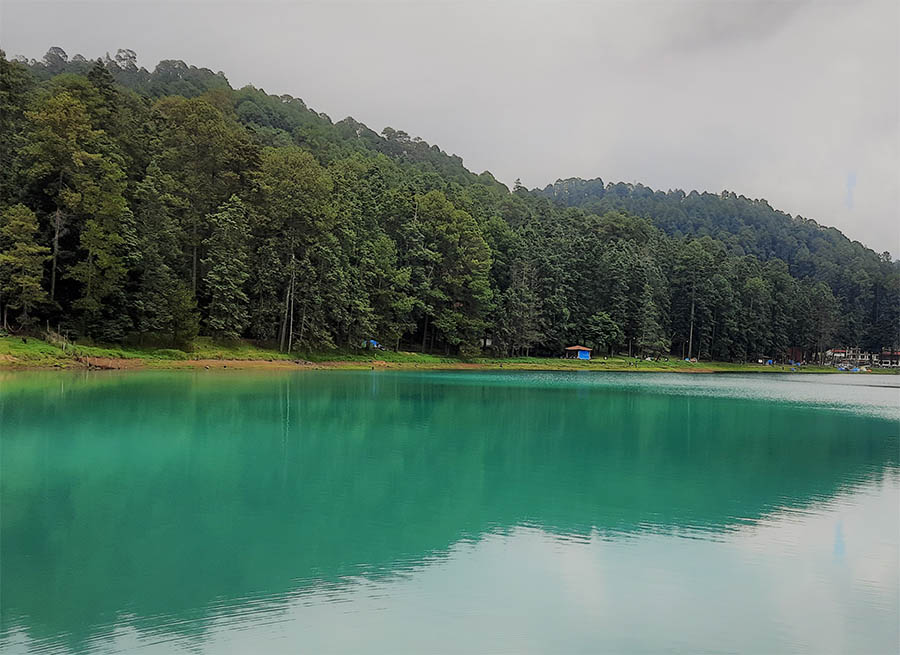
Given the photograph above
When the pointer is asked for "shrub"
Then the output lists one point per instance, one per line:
(170, 353)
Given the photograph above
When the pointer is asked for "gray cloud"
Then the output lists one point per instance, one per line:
(712, 25)
(781, 100)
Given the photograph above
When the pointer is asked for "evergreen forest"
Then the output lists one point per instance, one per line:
(147, 207)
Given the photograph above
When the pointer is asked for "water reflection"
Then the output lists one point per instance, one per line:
(190, 509)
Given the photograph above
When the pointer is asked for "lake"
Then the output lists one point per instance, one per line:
(401, 512)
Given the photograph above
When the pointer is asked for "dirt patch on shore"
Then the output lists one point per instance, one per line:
(108, 363)
(235, 363)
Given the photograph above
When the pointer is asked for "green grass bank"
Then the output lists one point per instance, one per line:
(30, 352)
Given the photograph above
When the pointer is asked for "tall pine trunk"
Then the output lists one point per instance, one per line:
(287, 315)
(291, 314)
(194, 257)
(691, 332)
(57, 223)
(282, 336)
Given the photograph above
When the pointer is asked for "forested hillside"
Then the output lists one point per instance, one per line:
(149, 207)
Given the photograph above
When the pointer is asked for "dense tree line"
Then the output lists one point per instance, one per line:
(150, 206)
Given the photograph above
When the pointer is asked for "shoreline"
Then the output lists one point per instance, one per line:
(137, 365)
(336, 365)
(31, 353)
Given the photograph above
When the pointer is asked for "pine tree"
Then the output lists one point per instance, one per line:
(159, 255)
(461, 293)
(207, 155)
(21, 264)
(16, 88)
(100, 273)
(603, 332)
(517, 326)
(180, 321)
(650, 337)
(228, 268)
(392, 305)
(59, 142)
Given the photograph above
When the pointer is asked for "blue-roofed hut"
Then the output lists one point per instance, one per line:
(578, 352)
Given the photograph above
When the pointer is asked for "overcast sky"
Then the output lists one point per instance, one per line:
(792, 101)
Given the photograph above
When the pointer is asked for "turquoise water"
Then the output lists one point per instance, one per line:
(395, 512)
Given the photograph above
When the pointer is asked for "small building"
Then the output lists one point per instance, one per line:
(795, 354)
(858, 356)
(835, 355)
(889, 359)
(854, 356)
(578, 352)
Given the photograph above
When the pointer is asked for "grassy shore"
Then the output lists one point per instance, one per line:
(30, 352)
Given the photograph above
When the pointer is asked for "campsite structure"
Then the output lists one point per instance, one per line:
(578, 352)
